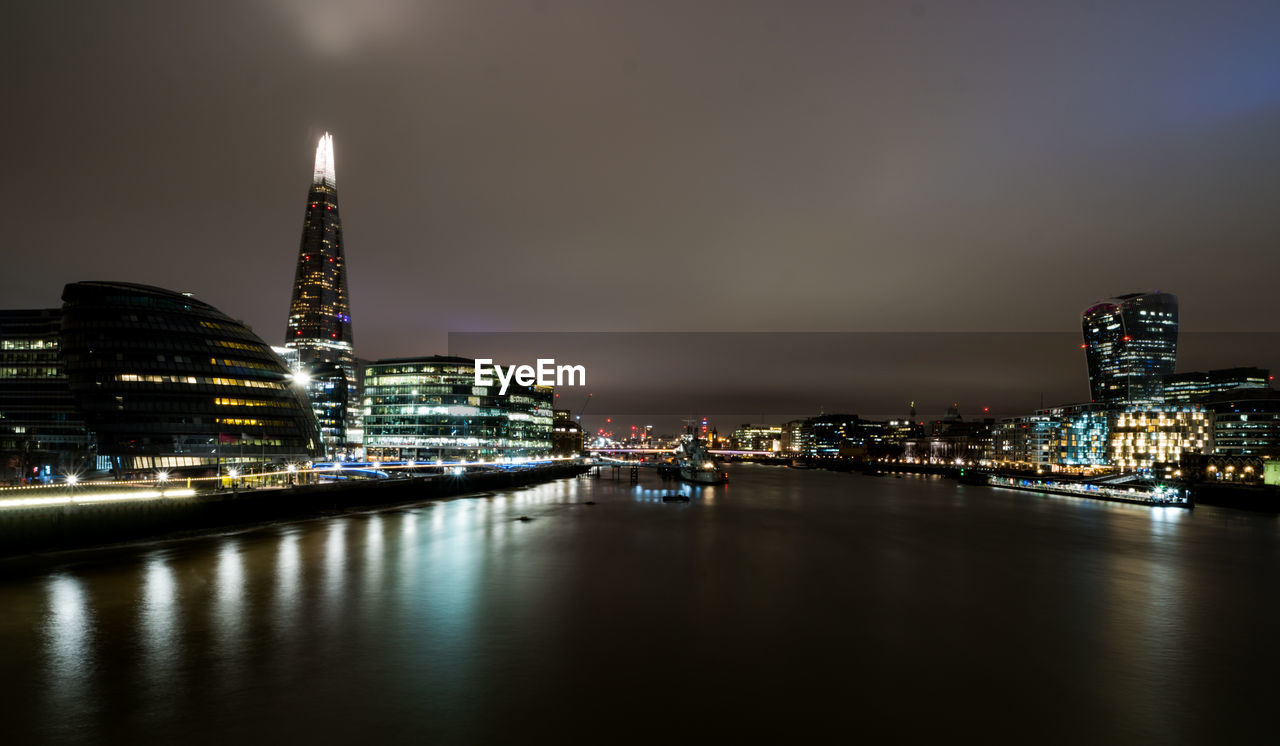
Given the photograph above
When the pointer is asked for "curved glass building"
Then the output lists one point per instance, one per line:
(165, 380)
(1131, 343)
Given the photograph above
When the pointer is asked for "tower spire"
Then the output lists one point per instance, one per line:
(320, 315)
(324, 162)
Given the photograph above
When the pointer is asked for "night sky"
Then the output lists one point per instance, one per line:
(636, 165)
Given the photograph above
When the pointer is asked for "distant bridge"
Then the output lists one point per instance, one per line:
(670, 450)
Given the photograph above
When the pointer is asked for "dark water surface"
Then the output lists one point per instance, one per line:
(789, 604)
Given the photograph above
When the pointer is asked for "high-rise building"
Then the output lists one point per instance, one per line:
(320, 313)
(1131, 343)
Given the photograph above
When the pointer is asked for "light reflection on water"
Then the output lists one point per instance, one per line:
(788, 592)
(159, 625)
(373, 553)
(68, 644)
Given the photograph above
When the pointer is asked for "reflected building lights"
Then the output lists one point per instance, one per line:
(335, 560)
(373, 551)
(161, 641)
(229, 614)
(288, 578)
(69, 642)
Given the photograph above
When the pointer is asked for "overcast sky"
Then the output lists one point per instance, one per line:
(610, 165)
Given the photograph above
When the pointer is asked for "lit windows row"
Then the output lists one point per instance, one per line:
(236, 402)
(199, 380)
(29, 344)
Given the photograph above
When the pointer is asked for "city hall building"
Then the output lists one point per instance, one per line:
(132, 378)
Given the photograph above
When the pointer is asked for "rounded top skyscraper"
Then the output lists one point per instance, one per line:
(320, 312)
(1130, 342)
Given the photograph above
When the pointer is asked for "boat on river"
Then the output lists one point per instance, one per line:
(1160, 496)
(698, 465)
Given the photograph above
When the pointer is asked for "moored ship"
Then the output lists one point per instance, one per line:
(698, 465)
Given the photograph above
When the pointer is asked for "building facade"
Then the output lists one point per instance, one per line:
(567, 436)
(1024, 442)
(757, 438)
(1131, 343)
(797, 438)
(832, 434)
(42, 434)
(1247, 427)
(1069, 438)
(319, 327)
(1139, 439)
(164, 380)
(1079, 440)
(1201, 385)
(429, 409)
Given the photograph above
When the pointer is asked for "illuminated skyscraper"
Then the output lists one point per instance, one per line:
(320, 314)
(1131, 342)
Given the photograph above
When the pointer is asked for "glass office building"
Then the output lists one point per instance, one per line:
(164, 380)
(319, 327)
(1247, 427)
(1200, 385)
(797, 438)
(758, 438)
(1069, 438)
(42, 434)
(831, 433)
(430, 409)
(1131, 343)
(1080, 438)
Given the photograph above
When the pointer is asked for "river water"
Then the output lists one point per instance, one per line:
(786, 605)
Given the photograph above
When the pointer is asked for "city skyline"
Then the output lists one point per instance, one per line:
(729, 370)
(868, 184)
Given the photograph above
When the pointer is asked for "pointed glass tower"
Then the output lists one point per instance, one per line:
(320, 314)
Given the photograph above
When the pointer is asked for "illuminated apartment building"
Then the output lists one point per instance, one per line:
(1142, 437)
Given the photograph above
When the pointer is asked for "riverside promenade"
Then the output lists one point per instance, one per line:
(46, 521)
